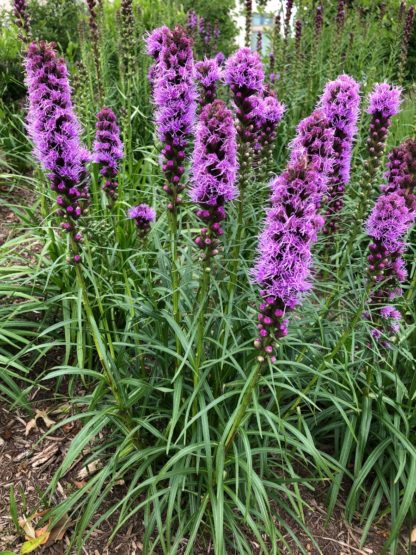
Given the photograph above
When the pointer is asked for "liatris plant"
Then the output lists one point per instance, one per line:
(288, 16)
(214, 170)
(270, 115)
(319, 21)
(298, 36)
(407, 32)
(315, 141)
(284, 258)
(92, 21)
(217, 34)
(174, 97)
(388, 224)
(384, 103)
(249, 15)
(55, 132)
(192, 22)
(22, 17)
(272, 67)
(259, 43)
(128, 36)
(340, 103)
(245, 76)
(207, 74)
(340, 18)
(401, 172)
(108, 149)
(143, 216)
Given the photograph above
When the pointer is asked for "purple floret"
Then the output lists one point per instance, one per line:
(384, 101)
(283, 265)
(214, 171)
(207, 74)
(108, 149)
(315, 140)
(55, 132)
(144, 216)
(244, 73)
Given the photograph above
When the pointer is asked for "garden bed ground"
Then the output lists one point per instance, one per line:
(27, 462)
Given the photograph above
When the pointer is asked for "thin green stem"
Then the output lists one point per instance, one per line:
(203, 301)
(243, 403)
(175, 278)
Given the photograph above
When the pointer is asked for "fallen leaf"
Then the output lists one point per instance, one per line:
(27, 528)
(32, 424)
(34, 543)
(88, 469)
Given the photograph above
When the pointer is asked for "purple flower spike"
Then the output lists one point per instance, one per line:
(214, 170)
(108, 149)
(283, 266)
(207, 73)
(387, 225)
(401, 172)
(55, 131)
(21, 15)
(315, 140)
(383, 104)
(288, 15)
(319, 21)
(174, 97)
(270, 114)
(245, 76)
(144, 216)
(340, 103)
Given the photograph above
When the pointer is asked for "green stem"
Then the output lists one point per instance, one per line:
(203, 301)
(175, 277)
(243, 403)
(235, 255)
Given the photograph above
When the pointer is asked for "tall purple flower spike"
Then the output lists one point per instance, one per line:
(387, 225)
(315, 140)
(143, 216)
(55, 132)
(383, 104)
(207, 74)
(175, 100)
(21, 15)
(245, 76)
(214, 171)
(108, 149)
(340, 103)
(283, 265)
(401, 172)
